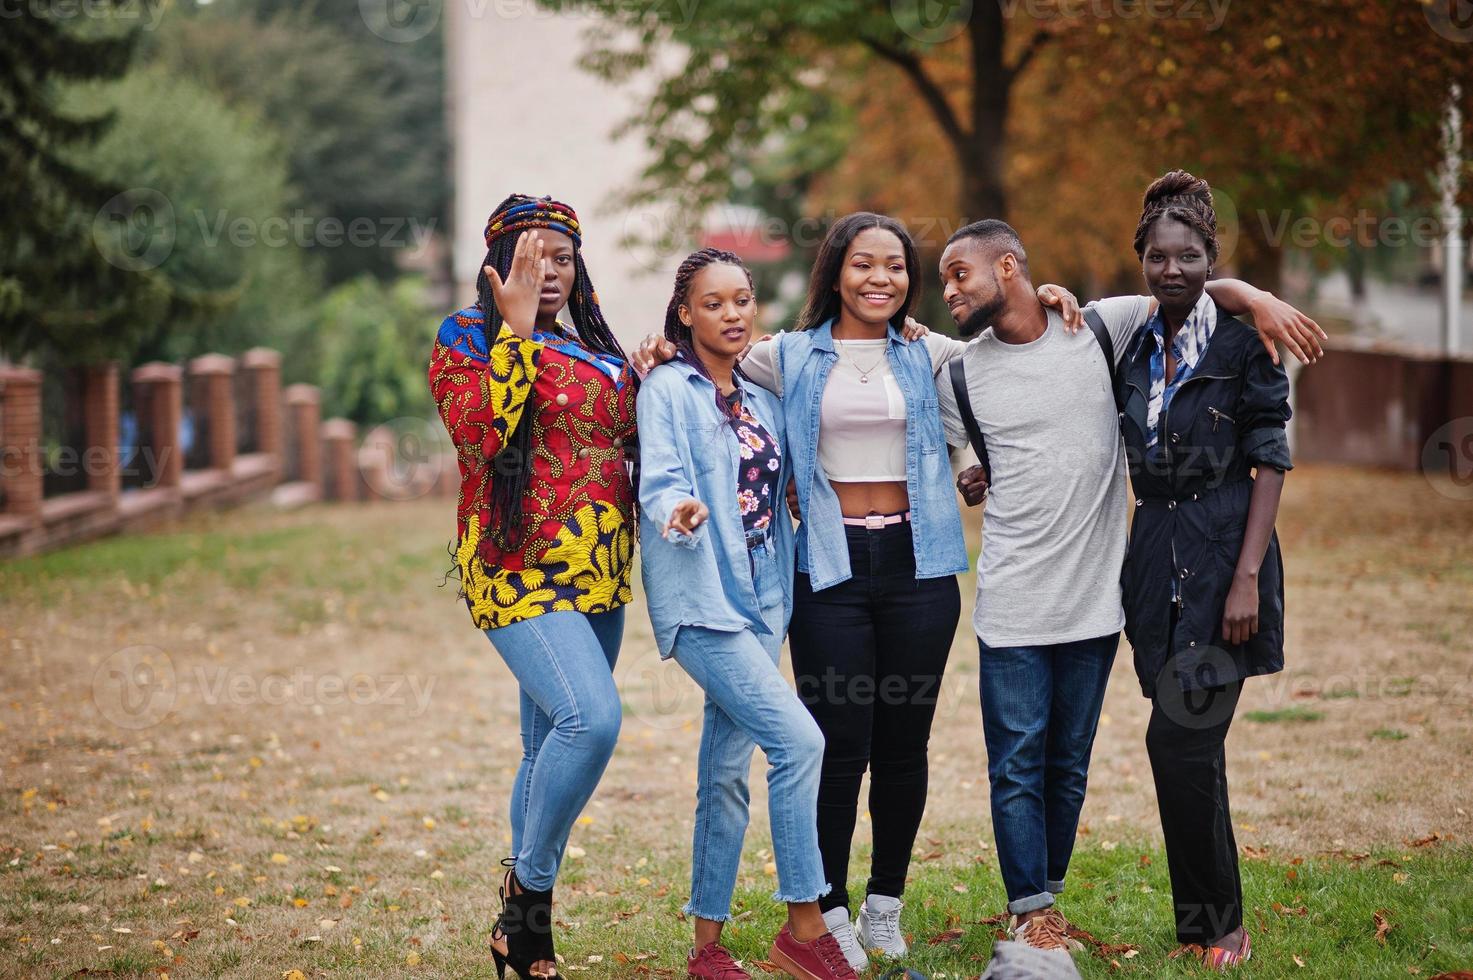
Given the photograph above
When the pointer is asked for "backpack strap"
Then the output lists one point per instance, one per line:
(969, 419)
(1107, 344)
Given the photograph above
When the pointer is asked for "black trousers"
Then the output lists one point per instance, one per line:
(1186, 741)
(868, 657)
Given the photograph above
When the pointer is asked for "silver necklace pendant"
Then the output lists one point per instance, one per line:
(864, 379)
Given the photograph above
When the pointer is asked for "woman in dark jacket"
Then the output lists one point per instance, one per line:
(1203, 408)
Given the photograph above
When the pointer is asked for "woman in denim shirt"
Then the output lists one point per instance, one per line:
(718, 572)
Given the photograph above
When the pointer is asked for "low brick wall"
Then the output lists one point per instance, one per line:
(253, 440)
(1370, 404)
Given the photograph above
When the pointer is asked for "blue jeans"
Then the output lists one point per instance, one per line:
(571, 711)
(1040, 709)
(749, 703)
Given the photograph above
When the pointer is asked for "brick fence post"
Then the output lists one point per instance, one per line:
(100, 427)
(21, 473)
(216, 373)
(303, 415)
(158, 393)
(339, 460)
(262, 366)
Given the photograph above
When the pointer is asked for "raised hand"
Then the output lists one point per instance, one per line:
(517, 296)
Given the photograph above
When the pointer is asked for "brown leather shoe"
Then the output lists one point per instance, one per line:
(1046, 931)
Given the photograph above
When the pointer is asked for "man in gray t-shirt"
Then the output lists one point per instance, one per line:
(1048, 614)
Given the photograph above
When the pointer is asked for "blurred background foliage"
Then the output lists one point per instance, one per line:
(178, 177)
(186, 178)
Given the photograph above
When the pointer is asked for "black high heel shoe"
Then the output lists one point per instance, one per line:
(525, 924)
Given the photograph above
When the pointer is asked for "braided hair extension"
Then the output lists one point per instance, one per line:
(682, 336)
(512, 466)
(1182, 197)
(823, 301)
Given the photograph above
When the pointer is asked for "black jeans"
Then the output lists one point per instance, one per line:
(1186, 740)
(868, 656)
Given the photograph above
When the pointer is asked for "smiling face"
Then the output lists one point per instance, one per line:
(720, 310)
(1176, 266)
(873, 281)
(557, 277)
(970, 286)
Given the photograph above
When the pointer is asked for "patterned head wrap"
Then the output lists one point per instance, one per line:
(523, 212)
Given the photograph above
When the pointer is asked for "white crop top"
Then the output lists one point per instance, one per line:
(861, 428)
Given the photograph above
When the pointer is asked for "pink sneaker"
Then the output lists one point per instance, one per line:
(714, 961)
(821, 959)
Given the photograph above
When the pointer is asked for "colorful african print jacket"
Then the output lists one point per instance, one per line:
(579, 542)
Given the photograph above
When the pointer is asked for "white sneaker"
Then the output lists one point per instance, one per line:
(838, 922)
(878, 925)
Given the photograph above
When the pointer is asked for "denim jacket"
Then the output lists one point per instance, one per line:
(804, 360)
(687, 450)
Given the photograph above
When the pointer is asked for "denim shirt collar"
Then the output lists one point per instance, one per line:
(823, 335)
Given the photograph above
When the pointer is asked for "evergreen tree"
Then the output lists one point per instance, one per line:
(76, 271)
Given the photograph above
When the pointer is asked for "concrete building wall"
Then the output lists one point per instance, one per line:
(524, 118)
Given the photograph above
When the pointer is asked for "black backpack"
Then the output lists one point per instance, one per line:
(964, 398)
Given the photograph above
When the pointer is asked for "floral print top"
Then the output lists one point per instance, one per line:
(760, 459)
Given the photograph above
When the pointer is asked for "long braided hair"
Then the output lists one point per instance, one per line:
(1182, 197)
(682, 336)
(511, 468)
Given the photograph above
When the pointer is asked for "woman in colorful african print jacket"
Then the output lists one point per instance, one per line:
(540, 412)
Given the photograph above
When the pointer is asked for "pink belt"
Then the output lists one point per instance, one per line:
(876, 521)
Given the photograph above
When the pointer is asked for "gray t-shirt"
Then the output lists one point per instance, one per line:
(1054, 529)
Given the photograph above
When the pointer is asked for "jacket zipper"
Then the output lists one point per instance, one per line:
(1181, 600)
(1166, 413)
(1218, 416)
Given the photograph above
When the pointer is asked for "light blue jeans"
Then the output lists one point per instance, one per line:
(748, 703)
(564, 664)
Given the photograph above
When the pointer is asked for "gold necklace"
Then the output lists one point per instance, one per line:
(863, 374)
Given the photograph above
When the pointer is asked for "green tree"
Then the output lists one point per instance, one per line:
(361, 118)
(751, 70)
(61, 289)
(371, 351)
(216, 194)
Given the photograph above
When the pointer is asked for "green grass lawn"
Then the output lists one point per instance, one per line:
(1321, 911)
(361, 840)
(1315, 917)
